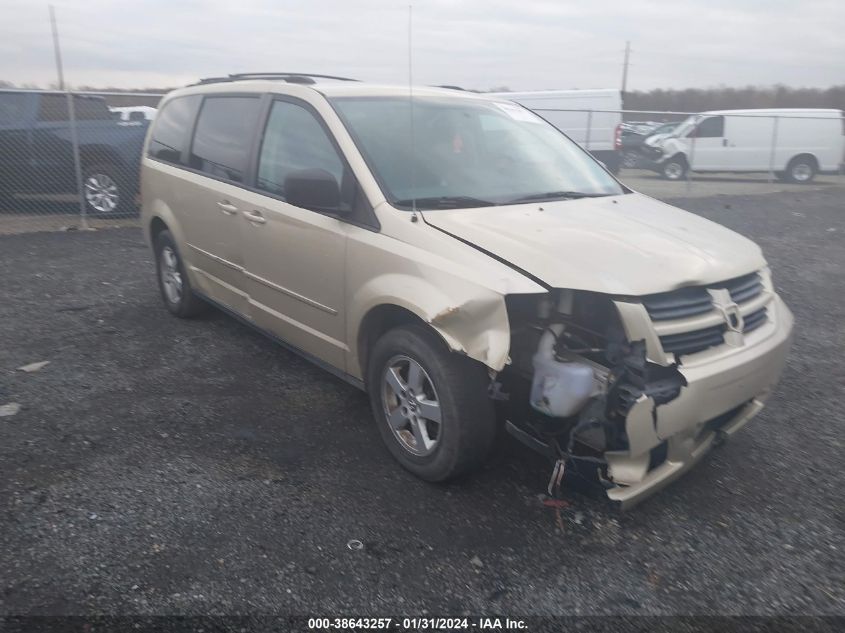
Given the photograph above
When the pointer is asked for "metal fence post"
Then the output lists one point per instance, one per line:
(589, 129)
(772, 150)
(77, 163)
(691, 156)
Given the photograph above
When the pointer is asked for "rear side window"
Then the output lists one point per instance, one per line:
(172, 131)
(223, 136)
(294, 140)
(85, 108)
(52, 108)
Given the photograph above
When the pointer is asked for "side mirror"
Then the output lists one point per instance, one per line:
(314, 189)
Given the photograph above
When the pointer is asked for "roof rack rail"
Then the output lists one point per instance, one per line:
(298, 78)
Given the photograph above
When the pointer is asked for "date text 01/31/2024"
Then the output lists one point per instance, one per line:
(421, 623)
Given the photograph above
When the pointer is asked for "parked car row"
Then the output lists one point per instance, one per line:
(795, 143)
(36, 156)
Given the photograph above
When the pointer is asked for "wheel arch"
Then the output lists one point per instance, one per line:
(378, 321)
(679, 156)
(157, 216)
(93, 154)
(809, 155)
(476, 325)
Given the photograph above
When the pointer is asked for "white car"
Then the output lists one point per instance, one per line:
(794, 143)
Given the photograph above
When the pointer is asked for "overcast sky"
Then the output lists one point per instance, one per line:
(472, 43)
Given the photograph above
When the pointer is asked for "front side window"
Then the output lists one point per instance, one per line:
(711, 127)
(468, 152)
(12, 107)
(293, 141)
(172, 131)
(223, 136)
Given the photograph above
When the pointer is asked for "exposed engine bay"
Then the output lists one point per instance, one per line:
(573, 379)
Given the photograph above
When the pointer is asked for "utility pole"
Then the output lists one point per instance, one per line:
(625, 68)
(56, 48)
(74, 137)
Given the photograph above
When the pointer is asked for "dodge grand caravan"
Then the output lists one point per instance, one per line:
(467, 265)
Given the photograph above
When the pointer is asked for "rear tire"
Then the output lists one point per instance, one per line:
(403, 399)
(630, 160)
(173, 283)
(800, 170)
(106, 190)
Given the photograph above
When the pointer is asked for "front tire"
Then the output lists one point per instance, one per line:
(430, 404)
(675, 168)
(173, 283)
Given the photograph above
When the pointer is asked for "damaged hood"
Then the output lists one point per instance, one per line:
(628, 244)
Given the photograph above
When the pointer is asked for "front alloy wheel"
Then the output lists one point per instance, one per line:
(430, 404)
(411, 406)
(674, 169)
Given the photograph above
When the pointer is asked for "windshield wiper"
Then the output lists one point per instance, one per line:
(445, 202)
(556, 195)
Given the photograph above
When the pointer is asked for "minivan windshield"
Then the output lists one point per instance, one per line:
(468, 153)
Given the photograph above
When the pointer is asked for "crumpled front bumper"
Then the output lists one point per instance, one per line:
(723, 392)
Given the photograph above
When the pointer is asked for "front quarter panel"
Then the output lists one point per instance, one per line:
(460, 295)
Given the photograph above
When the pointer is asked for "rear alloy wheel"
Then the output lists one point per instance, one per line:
(105, 191)
(801, 170)
(630, 160)
(173, 283)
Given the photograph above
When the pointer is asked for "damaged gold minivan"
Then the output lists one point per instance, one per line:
(467, 265)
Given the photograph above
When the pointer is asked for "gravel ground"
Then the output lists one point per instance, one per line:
(167, 466)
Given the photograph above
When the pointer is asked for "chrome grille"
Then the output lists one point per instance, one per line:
(695, 341)
(678, 304)
(696, 302)
(743, 288)
(755, 320)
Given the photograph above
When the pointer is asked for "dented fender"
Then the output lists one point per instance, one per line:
(461, 297)
(471, 321)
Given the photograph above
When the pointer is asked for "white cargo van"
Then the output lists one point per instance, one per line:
(794, 143)
(578, 114)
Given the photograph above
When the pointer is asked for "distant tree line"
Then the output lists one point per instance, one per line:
(685, 100)
(725, 98)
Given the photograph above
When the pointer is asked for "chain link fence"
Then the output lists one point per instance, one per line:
(679, 154)
(70, 160)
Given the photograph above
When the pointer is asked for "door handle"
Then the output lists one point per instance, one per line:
(227, 208)
(255, 217)
(724, 142)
